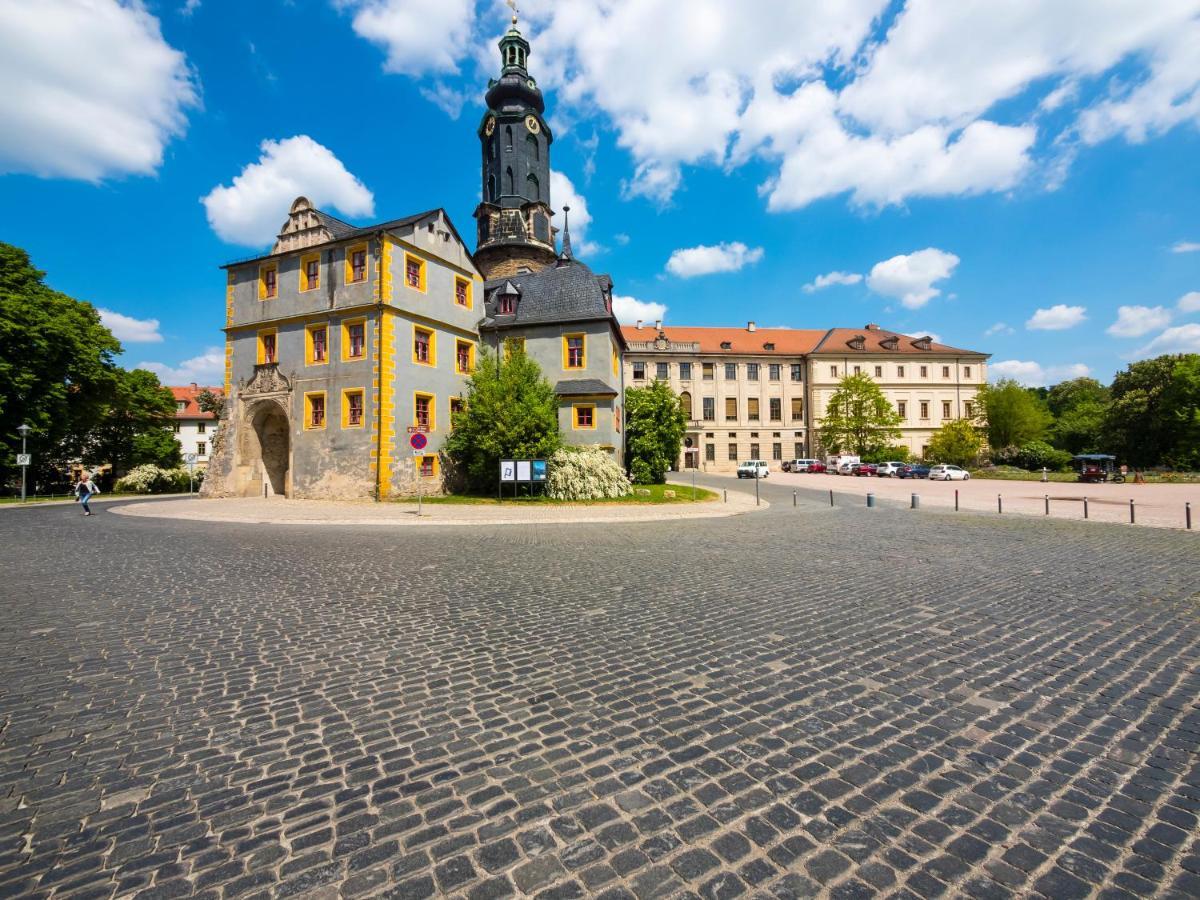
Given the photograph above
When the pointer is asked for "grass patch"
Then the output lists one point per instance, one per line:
(1011, 473)
(682, 495)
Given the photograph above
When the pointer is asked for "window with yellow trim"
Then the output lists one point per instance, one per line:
(424, 411)
(414, 272)
(356, 264)
(310, 272)
(464, 357)
(316, 344)
(268, 346)
(427, 465)
(314, 410)
(353, 408)
(574, 352)
(268, 281)
(584, 415)
(616, 359)
(424, 346)
(462, 292)
(354, 339)
(457, 405)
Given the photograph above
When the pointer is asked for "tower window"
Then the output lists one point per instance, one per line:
(508, 182)
(531, 143)
(507, 137)
(491, 193)
(533, 189)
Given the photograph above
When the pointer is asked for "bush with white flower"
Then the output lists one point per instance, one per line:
(150, 479)
(585, 473)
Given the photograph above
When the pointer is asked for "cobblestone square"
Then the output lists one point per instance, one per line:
(799, 702)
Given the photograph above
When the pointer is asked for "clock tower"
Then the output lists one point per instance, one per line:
(514, 231)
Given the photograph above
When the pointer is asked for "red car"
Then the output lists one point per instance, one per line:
(863, 469)
(816, 467)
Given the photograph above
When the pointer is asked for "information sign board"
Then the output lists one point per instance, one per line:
(24, 459)
(539, 470)
(508, 470)
(523, 470)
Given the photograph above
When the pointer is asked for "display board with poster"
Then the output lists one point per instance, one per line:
(521, 471)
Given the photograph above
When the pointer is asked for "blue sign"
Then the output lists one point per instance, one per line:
(539, 470)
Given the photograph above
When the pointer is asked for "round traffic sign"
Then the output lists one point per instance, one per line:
(417, 441)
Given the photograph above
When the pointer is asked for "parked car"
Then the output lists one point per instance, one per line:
(816, 466)
(889, 469)
(949, 473)
(914, 470)
(846, 468)
(802, 465)
(753, 468)
(859, 469)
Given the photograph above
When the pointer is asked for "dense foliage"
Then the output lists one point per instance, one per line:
(859, 419)
(151, 479)
(957, 442)
(511, 412)
(654, 428)
(1011, 415)
(585, 473)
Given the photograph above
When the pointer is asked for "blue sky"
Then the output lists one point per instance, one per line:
(1016, 178)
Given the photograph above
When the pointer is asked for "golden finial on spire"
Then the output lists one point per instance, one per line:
(513, 5)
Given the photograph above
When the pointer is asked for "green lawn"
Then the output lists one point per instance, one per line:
(682, 495)
(1008, 473)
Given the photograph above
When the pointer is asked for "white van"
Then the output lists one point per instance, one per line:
(841, 464)
(753, 468)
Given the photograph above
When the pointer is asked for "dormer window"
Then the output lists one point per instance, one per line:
(726, 345)
(889, 343)
(922, 343)
(768, 346)
(858, 342)
(506, 305)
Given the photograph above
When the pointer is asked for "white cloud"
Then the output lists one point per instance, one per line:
(563, 193)
(207, 368)
(621, 238)
(1186, 247)
(91, 89)
(1134, 321)
(910, 277)
(920, 332)
(1034, 374)
(1056, 318)
(832, 278)
(999, 328)
(630, 310)
(710, 259)
(252, 209)
(1189, 302)
(419, 36)
(129, 330)
(1180, 339)
(189, 7)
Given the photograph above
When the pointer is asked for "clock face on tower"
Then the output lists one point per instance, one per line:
(533, 124)
(489, 127)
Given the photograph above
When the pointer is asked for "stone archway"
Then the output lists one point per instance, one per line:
(271, 435)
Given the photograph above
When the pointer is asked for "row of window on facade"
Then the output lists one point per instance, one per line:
(662, 371)
(923, 409)
(201, 427)
(353, 409)
(923, 371)
(354, 346)
(356, 273)
(710, 451)
(753, 407)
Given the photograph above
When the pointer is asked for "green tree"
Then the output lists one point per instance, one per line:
(56, 370)
(958, 442)
(1010, 414)
(654, 427)
(859, 419)
(1183, 403)
(511, 412)
(135, 426)
(1079, 407)
(1152, 411)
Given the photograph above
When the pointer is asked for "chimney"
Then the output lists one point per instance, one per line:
(658, 324)
(639, 324)
(195, 387)
(750, 326)
(872, 327)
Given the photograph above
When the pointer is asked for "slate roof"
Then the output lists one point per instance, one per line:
(567, 291)
(580, 386)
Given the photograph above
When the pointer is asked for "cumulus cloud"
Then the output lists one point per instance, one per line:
(207, 368)
(832, 278)
(1180, 339)
(419, 36)
(129, 330)
(1134, 321)
(1186, 247)
(1057, 318)
(999, 328)
(563, 193)
(189, 7)
(910, 277)
(251, 210)
(630, 310)
(709, 259)
(91, 89)
(1033, 374)
(920, 332)
(1189, 302)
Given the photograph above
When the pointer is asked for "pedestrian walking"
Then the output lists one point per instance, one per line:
(84, 491)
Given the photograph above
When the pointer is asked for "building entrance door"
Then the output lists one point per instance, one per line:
(271, 430)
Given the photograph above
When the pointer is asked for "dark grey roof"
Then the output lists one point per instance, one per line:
(579, 386)
(565, 292)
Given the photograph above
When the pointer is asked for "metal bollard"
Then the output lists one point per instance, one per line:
(999, 504)
(793, 498)
(831, 496)
(1047, 504)
(1132, 514)
(725, 496)
(916, 501)
(870, 500)
(956, 499)
(1085, 509)
(1187, 515)
(756, 503)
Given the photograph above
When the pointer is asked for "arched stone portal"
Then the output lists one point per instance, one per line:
(269, 427)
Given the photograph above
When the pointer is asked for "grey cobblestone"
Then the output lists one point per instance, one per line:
(835, 703)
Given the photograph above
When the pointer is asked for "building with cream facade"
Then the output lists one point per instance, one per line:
(759, 393)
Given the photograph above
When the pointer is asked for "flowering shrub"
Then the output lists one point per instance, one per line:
(150, 479)
(585, 473)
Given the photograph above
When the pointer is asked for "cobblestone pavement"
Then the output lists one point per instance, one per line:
(802, 702)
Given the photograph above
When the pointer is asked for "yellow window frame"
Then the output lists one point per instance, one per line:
(412, 257)
(450, 410)
(309, 358)
(305, 284)
(308, 408)
(346, 324)
(262, 281)
(261, 351)
(346, 392)
(470, 345)
(566, 351)
(432, 362)
(575, 408)
(432, 398)
(458, 279)
(350, 251)
(616, 360)
(419, 461)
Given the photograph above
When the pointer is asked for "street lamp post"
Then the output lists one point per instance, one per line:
(24, 431)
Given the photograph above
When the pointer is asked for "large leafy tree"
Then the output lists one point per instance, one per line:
(1078, 407)
(957, 442)
(859, 419)
(654, 427)
(1153, 416)
(1010, 414)
(511, 412)
(135, 427)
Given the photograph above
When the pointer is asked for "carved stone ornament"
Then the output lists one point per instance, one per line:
(661, 342)
(267, 379)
